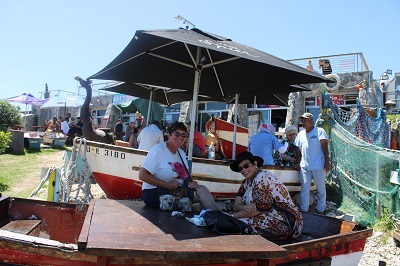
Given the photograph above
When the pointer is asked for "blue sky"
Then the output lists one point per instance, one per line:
(54, 41)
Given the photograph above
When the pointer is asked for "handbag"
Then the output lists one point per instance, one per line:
(176, 199)
(221, 223)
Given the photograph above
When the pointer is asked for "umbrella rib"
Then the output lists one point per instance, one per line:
(133, 57)
(216, 75)
(220, 62)
(276, 96)
(171, 60)
(166, 97)
(190, 54)
(105, 70)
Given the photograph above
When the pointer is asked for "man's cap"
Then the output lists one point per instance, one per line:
(306, 116)
(290, 130)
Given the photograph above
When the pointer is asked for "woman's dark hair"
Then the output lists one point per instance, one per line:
(176, 126)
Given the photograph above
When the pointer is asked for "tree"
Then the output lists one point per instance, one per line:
(9, 115)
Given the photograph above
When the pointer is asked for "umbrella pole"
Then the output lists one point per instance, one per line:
(26, 109)
(235, 126)
(194, 109)
(149, 109)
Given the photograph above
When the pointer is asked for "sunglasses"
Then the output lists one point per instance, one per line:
(177, 134)
(245, 166)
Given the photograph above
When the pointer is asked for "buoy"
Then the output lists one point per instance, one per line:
(334, 88)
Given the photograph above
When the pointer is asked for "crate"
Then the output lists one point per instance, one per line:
(34, 143)
(60, 142)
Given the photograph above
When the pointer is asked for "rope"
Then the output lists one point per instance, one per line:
(44, 179)
(74, 185)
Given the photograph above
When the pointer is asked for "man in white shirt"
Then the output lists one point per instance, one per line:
(150, 136)
(65, 126)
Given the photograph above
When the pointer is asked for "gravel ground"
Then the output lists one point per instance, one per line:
(378, 252)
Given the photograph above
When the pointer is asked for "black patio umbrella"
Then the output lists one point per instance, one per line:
(162, 95)
(182, 58)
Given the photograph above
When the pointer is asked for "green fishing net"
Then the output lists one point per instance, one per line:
(361, 163)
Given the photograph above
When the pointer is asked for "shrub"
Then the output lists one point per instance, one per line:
(4, 140)
(9, 115)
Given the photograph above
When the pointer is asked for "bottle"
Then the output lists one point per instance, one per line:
(211, 151)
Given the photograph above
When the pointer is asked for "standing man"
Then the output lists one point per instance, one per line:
(150, 136)
(312, 159)
(65, 125)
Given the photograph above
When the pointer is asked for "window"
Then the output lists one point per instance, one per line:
(216, 106)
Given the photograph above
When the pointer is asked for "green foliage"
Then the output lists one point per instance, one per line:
(385, 224)
(392, 117)
(4, 140)
(9, 115)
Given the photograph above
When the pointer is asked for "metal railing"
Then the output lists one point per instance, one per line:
(341, 63)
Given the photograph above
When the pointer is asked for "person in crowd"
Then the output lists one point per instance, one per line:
(52, 125)
(264, 202)
(128, 131)
(68, 115)
(133, 138)
(158, 170)
(199, 145)
(309, 66)
(264, 143)
(71, 124)
(65, 125)
(150, 136)
(325, 64)
(118, 127)
(289, 156)
(312, 159)
(78, 126)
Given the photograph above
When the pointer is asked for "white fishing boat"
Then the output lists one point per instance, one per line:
(116, 169)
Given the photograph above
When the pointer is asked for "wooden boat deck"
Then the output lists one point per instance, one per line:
(131, 230)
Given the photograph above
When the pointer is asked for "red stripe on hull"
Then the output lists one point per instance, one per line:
(327, 252)
(10, 255)
(120, 188)
(117, 187)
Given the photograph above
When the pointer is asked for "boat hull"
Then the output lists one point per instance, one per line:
(225, 132)
(116, 170)
(67, 232)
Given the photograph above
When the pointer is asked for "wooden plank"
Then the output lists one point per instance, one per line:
(4, 208)
(147, 234)
(25, 227)
(83, 236)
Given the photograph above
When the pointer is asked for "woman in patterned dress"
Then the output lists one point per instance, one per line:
(264, 202)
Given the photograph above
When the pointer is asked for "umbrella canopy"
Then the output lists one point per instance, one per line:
(179, 58)
(26, 98)
(168, 58)
(61, 100)
(162, 95)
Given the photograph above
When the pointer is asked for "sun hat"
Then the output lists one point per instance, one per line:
(306, 116)
(243, 156)
(290, 130)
